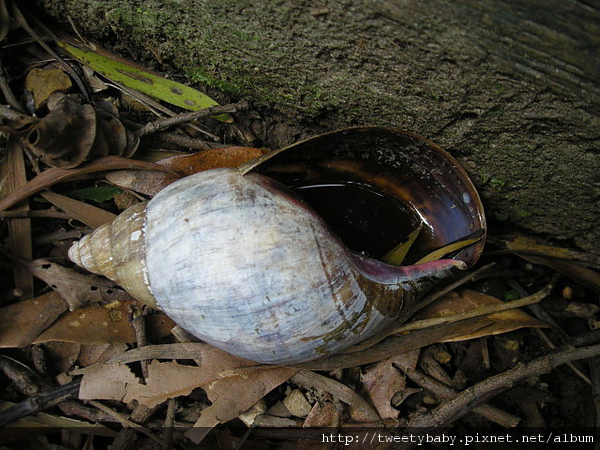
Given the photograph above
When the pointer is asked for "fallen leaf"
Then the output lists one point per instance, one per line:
(24, 321)
(141, 79)
(84, 212)
(55, 175)
(72, 133)
(107, 382)
(491, 324)
(150, 183)
(233, 395)
(383, 380)
(362, 411)
(43, 81)
(324, 415)
(102, 324)
(61, 356)
(99, 353)
(76, 288)
(165, 379)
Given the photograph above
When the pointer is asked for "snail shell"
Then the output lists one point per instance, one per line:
(241, 262)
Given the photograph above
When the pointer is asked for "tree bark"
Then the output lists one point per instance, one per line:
(511, 87)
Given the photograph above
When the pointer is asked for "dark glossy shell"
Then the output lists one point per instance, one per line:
(425, 179)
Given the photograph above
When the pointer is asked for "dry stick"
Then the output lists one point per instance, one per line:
(164, 123)
(46, 213)
(448, 413)
(8, 94)
(541, 314)
(128, 436)
(445, 392)
(169, 422)
(39, 402)
(125, 421)
(138, 322)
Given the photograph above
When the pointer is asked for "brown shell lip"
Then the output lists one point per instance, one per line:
(407, 166)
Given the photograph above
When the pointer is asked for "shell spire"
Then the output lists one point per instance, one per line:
(117, 251)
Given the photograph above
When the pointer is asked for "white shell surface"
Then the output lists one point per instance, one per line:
(250, 272)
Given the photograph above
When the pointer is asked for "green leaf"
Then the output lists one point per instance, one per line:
(452, 247)
(143, 80)
(396, 256)
(96, 194)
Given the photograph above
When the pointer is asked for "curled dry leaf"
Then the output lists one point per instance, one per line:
(383, 380)
(150, 183)
(72, 133)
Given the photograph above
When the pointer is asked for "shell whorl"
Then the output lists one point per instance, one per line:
(117, 251)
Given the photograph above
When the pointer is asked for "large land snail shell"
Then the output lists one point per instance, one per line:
(243, 263)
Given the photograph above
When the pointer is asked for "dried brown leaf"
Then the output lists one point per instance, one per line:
(492, 324)
(230, 387)
(43, 81)
(22, 322)
(382, 380)
(52, 176)
(236, 393)
(150, 183)
(65, 136)
(107, 382)
(323, 414)
(84, 212)
(99, 353)
(76, 288)
(102, 324)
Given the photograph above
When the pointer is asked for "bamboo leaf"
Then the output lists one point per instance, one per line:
(143, 80)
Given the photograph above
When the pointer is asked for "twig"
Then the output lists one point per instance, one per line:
(449, 412)
(46, 213)
(169, 422)
(138, 322)
(542, 315)
(39, 402)
(125, 421)
(8, 94)
(444, 392)
(161, 124)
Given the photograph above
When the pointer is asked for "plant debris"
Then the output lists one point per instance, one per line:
(83, 356)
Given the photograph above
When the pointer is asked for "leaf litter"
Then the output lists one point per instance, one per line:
(86, 326)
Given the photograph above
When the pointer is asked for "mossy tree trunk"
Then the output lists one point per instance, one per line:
(512, 87)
